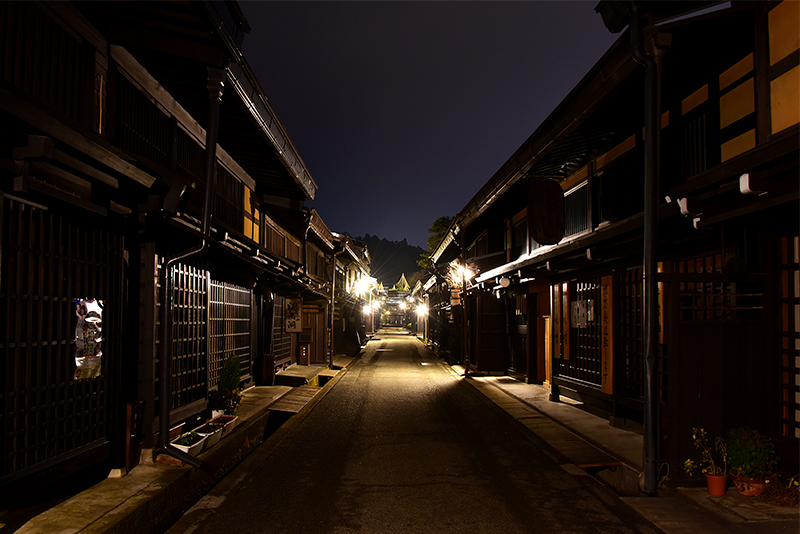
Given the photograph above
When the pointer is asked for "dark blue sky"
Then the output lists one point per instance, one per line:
(403, 110)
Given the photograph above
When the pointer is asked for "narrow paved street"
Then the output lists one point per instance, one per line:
(400, 444)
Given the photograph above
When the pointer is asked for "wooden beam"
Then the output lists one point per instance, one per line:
(158, 42)
(777, 147)
(53, 127)
(74, 23)
(86, 169)
(150, 86)
(40, 147)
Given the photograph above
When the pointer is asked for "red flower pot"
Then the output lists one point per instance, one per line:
(717, 484)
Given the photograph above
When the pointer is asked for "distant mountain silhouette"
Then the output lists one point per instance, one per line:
(392, 259)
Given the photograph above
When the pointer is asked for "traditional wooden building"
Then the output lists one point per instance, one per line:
(353, 289)
(152, 225)
(568, 312)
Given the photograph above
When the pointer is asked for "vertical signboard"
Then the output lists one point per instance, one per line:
(294, 310)
(607, 335)
(661, 306)
(556, 321)
(565, 329)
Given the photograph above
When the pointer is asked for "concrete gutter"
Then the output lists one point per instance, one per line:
(153, 496)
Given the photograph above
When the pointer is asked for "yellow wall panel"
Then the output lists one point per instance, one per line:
(737, 104)
(694, 100)
(738, 145)
(785, 100)
(615, 152)
(736, 72)
(784, 30)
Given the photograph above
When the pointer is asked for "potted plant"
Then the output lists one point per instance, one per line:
(212, 433)
(715, 471)
(228, 395)
(752, 460)
(191, 443)
(224, 422)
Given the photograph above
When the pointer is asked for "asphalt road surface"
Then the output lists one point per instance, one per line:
(400, 444)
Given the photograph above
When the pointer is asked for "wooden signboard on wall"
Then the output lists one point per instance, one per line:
(294, 310)
(565, 319)
(607, 335)
(556, 321)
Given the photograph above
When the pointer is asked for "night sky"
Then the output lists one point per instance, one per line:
(403, 110)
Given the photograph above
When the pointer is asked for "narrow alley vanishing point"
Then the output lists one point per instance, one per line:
(401, 445)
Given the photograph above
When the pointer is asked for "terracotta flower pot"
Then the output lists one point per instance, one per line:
(717, 484)
(748, 486)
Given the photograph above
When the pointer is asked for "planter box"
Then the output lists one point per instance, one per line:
(212, 433)
(748, 486)
(193, 448)
(227, 422)
(175, 431)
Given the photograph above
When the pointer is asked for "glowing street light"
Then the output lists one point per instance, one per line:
(465, 272)
(364, 285)
(422, 309)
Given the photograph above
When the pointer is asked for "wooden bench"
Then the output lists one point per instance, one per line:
(295, 400)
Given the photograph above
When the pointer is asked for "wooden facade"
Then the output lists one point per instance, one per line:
(726, 245)
(103, 163)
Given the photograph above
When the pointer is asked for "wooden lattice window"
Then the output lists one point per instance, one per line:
(252, 216)
(790, 337)
(717, 299)
(190, 157)
(47, 262)
(583, 363)
(142, 128)
(40, 57)
(274, 240)
(628, 363)
(576, 210)
(229, 200)
(230, 328)
(292, 251)
(189, 334)
(281, 340)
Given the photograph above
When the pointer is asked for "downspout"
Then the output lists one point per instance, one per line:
(652, 105)
(307, 215)
(216, 86)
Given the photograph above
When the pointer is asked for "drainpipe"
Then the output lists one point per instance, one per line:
(216, 86)
(652, 106)
(307, 220)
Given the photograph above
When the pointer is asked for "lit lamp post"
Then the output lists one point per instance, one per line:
(367, 311)
(422, 316)
(464, 273)
(363, 288)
